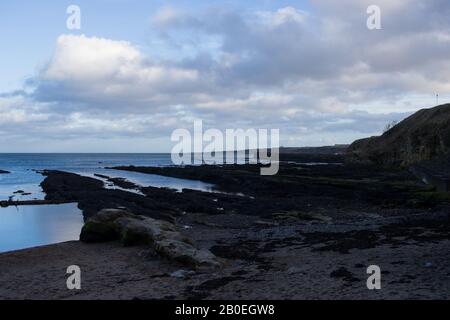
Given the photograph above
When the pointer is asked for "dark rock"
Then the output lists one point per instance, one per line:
(4, 172)
(344, 274)
(92, 197)
(120, 182)
(203, 290)
(102, 227)
(298, 191)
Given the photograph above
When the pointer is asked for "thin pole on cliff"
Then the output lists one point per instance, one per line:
(437, 99)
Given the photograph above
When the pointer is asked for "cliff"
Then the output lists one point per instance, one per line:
(425, 135)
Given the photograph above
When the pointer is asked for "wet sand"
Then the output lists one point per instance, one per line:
(110, 271)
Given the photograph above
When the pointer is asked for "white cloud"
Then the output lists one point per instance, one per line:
(166, 15)
(17, 110)
(80, 58)
(95, 70)
(283, 16)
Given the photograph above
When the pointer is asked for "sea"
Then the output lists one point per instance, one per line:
(24, 227)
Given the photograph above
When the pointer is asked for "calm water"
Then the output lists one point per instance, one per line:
(29, 226)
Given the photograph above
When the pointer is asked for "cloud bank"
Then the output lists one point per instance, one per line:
(319, 75)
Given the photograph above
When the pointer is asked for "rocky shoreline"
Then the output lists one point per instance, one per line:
(309, 232)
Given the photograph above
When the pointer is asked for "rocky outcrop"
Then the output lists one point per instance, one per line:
(131, 229)
(92, 196)
(4, 172)
(423, 136)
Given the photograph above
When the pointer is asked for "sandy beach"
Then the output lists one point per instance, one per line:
(110, 271)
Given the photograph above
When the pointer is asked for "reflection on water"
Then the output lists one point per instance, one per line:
(144, 179)
(31, 226)
(31, 191)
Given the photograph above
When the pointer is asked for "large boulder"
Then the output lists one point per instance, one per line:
(143, 230)
(164, 237)
(423, 136)
(102, 227)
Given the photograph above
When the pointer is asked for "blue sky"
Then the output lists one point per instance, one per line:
(29, 28)
(137, 70)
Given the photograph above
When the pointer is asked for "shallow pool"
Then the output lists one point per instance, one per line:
(30, 226)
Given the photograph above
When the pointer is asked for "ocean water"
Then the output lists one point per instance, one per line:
(24, 178)
(29, 226)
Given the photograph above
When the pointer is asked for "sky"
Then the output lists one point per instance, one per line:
(137, 70)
